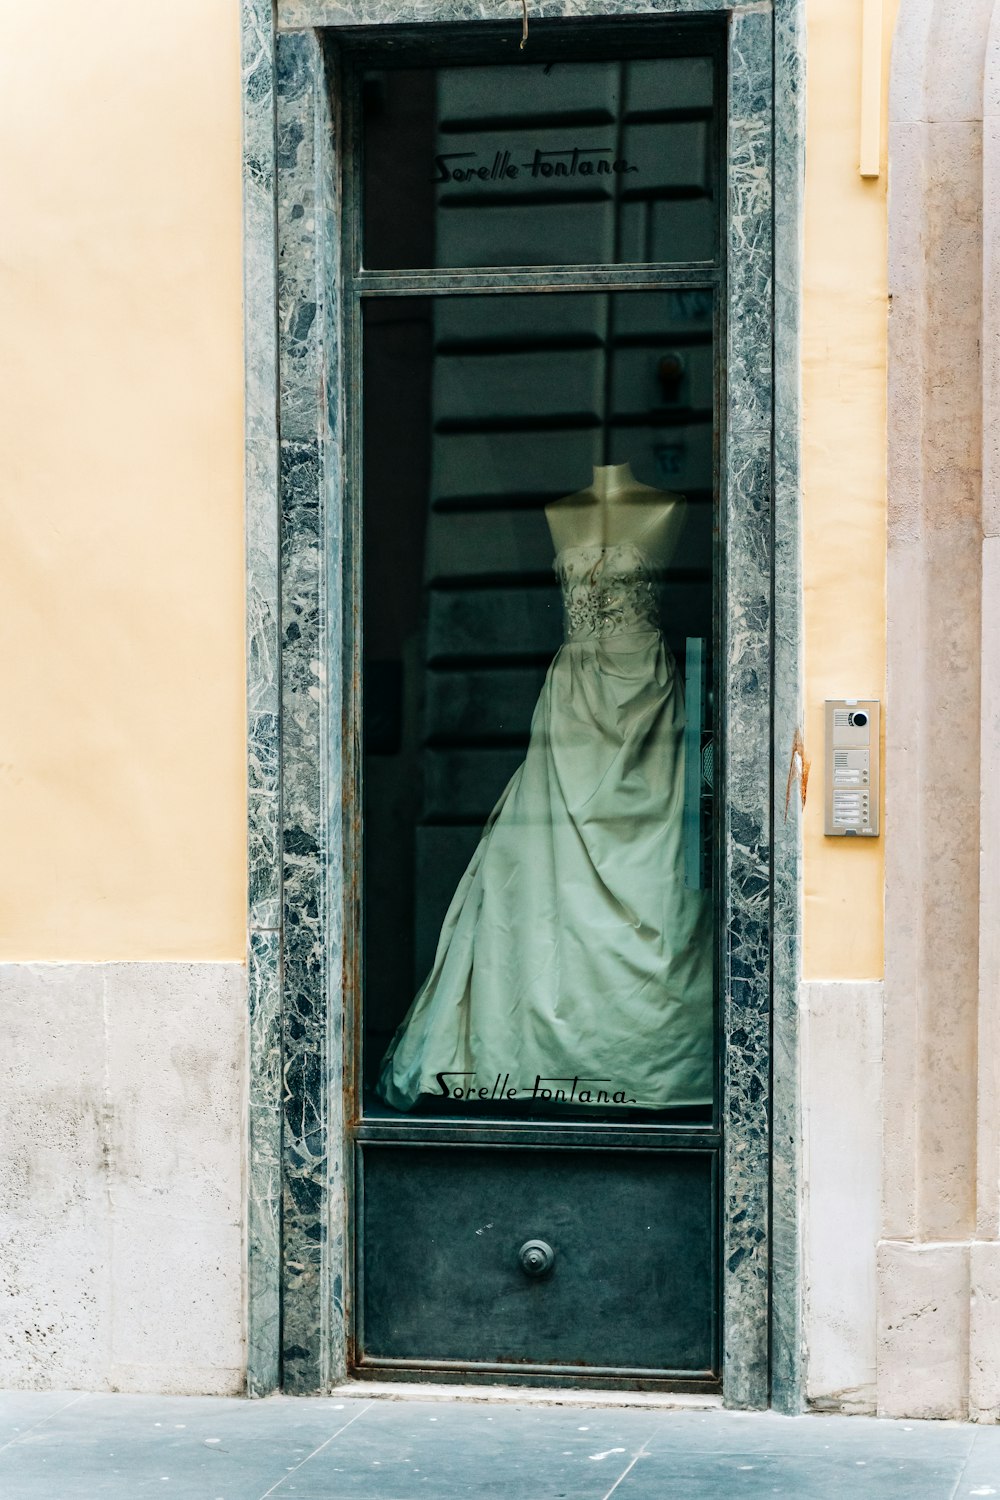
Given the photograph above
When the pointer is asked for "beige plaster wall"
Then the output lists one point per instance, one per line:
(121, 576)
(844, 339)
(121, 751)
(121, 628)
(844, 356)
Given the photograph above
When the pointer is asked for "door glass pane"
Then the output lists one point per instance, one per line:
(538, 607)
(535, 163)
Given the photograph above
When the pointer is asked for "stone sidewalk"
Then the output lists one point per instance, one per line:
(65, 1446)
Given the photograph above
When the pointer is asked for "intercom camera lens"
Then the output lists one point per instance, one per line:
(859, 720)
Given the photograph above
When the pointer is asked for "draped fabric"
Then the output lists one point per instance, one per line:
(572, 948)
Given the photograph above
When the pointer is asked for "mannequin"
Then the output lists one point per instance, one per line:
(572, 948)
(617, 508)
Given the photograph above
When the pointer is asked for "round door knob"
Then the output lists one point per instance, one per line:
(536, 1257)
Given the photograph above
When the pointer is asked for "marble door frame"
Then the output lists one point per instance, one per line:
(297, 1271)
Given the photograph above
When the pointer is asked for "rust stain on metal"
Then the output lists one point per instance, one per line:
(798, 771)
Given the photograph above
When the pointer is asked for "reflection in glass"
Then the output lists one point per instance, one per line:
(527, 639)
(534, 163)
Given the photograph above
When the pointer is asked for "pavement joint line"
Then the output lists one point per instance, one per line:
(333, 1436)
(13, 1442)
(625, 1472)
(965, 1464)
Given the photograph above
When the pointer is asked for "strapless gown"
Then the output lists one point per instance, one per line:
(572, 948)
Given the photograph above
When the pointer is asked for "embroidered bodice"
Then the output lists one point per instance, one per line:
(607, 590)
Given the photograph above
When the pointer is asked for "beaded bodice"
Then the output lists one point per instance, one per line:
(607, 590)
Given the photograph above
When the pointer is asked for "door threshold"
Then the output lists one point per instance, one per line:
(508, 1395)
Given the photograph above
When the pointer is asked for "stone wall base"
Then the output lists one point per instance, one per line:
(939, 1329)
(121, 1176)
(841, 1111)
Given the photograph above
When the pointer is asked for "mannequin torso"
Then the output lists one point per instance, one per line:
(616, 508)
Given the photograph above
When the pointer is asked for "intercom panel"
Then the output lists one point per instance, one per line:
(852, 767)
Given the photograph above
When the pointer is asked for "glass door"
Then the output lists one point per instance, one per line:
(534, 265)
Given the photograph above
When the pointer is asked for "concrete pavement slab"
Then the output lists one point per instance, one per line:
(409, 1449)
(122, 1445)
(60, 1446)
(22, 1410)
(713, 1476)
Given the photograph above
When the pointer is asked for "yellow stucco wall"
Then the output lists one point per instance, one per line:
(122, 789)
(844, 331)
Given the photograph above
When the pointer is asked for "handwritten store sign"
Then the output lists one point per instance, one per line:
(577, 161)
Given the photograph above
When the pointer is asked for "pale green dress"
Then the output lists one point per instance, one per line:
(572, 947)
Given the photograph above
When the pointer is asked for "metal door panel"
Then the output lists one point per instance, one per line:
(633, 1281)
